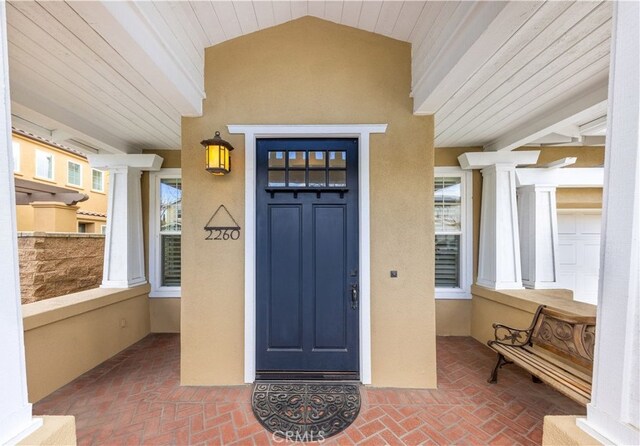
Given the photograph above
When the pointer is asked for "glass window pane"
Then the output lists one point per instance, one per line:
(297, 178)
(276, 159)
(44, 165)
(171, 256)
(337, 159)
(317, 178)
(338, 178)
(170, 204)
(16, 156)
(447, 202)
(276, 178)
(447, 261)
(74, 176)
(97, 182)
(317, 159)
(297, 159)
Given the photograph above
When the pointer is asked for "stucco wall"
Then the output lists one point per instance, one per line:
(58, 264)
(312, 72)
(69, 335)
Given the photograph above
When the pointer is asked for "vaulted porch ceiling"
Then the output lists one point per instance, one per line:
(117, 76)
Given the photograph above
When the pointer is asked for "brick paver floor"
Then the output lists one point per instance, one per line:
(135, 398)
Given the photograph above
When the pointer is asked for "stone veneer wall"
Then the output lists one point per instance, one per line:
(55, 264)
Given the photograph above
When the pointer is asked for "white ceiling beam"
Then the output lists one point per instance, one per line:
(595, 127)
(573, 177)
(480, 160)
(52, 117)
(485, 28)
(563, 162)
(583, 105)
(141, 44)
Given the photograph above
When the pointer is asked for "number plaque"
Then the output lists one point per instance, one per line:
(222, 226)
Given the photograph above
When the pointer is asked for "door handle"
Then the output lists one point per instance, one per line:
(354, 296)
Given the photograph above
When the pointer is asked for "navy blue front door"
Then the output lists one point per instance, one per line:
(307, 256)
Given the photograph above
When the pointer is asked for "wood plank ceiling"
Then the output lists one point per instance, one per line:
(73, 74)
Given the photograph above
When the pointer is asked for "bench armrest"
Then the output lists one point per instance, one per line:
(506, 335)
(510, 336)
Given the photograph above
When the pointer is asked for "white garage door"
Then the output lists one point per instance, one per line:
(579, 253)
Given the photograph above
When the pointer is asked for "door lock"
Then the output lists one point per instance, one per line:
(354, 296)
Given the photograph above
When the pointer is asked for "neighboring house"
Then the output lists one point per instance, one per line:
(48, 172)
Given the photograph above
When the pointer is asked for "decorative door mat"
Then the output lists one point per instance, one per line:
(305, 410)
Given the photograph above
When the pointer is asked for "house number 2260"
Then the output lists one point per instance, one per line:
(222, 225)
(223, 234)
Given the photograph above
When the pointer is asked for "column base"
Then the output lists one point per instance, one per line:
(500, 285)
(540, 285)
(123, 283)
(55, 431)
(563, 430)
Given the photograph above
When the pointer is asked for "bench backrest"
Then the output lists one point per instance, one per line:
(569, 336)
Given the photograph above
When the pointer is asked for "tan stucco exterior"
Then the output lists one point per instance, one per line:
(562, 430)
(53, 217)
(312, 72)
(55, 431)
(69, 335)
(30, 219)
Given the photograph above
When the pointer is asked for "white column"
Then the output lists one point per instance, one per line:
(499, 256)
(124, 250)
(613, 415)
(15, 411)
(538, 222)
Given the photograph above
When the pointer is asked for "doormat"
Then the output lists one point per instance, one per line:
(305, 410)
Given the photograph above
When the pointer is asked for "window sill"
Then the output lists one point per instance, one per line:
(442, 293)
(75, 186)
(166, 293)
(102, 192)
(46, 180)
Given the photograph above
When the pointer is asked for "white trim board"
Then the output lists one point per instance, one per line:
(251, 133)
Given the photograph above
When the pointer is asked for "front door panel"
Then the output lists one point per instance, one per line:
(307, 256)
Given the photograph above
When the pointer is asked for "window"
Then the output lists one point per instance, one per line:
(74, 174)
(44, 165)
(453, 232)
(307, 168)
(16, 156)
(165, 221)
(97, 180)
(103, 229)
(82, 228)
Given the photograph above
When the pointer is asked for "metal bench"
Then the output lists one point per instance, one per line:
(556, 349)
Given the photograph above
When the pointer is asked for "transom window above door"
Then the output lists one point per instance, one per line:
(307, 168)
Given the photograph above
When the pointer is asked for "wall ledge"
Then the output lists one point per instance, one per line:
(48, 311)
(27, 234)
(562, 429)
(529, 300)
(55, 431)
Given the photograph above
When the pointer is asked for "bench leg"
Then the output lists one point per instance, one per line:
(494, 375)
(535, 379)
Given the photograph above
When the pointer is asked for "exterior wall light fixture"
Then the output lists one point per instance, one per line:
(218, 158)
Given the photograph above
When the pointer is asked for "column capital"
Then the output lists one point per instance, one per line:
(481, 160)
(149, 162)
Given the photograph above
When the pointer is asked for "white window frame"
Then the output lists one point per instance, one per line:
(15, 147)
(53, 165)
(69, 183)
(155, 267)
(102, 188)
(103, 229)
(466, 234)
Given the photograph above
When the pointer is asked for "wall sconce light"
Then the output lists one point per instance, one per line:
(218, 158)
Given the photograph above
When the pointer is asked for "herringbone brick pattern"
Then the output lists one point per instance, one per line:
(135, 398)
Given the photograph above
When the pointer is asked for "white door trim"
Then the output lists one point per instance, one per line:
(251, 133)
